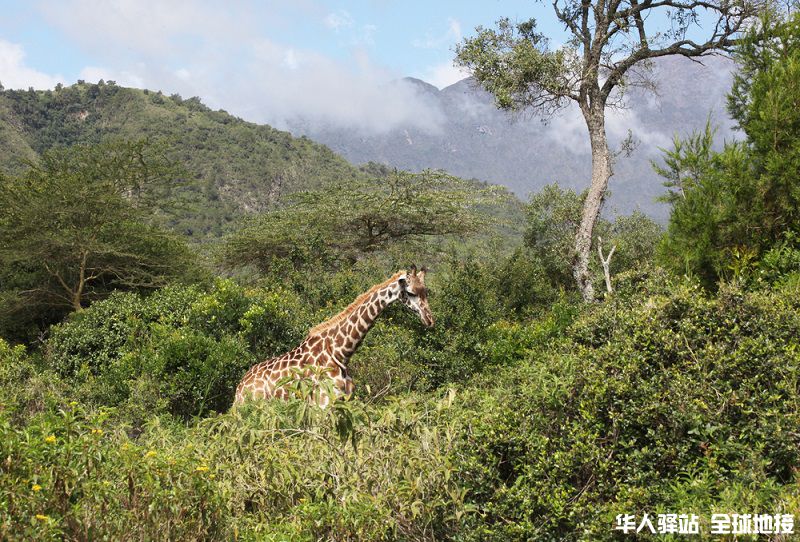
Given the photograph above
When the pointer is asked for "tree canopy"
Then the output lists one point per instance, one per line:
(611, 43)
(79, 223)
(350, 219)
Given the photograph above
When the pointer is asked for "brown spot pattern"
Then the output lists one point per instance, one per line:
(328, 345)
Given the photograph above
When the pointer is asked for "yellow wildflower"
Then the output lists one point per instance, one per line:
(42, 517)
(150, 453)
(201, 468)
(50, 439)
(98, 432)
(73, 403)
(36, 487)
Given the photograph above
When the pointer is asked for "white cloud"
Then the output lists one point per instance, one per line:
(147, 26)
(339, 20)
(444, 75)
(214, 51)
(358, 94)
(368, 34)
(344, 24)
(568, 129)
(14, 74)
(183, 73)
(290, 60)
(450, 37)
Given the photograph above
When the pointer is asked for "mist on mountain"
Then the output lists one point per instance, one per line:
(459, 129)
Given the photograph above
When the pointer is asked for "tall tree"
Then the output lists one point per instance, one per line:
(79, 223)
(740, 203)
(610, 48)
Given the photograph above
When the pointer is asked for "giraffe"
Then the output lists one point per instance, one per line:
(329, 345)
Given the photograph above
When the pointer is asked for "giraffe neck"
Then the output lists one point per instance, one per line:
(350, 331)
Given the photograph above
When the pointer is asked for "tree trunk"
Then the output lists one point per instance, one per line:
(601, 173)
(77, 295)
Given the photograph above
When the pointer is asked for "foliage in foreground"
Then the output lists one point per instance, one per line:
(664, 399)
(267, 471)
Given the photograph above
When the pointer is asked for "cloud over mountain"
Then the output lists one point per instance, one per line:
(475, 140)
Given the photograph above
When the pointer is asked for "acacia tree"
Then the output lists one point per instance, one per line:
(610, 48)
(351, 219)
(79, 224)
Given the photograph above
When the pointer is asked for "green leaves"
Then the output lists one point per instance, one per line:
(661, 398)
(686, 163)
(515, 64)
(180, 349)
(79, 224)
(732, 207)
(348, 220)
(653, 400)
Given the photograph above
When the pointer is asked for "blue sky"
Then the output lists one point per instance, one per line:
(269, 61)
(61, 39)
(264, 61)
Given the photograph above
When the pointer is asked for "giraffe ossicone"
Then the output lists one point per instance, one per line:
(329, 345)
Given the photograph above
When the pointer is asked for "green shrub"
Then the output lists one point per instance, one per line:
(72, 476)
(265, 471)
(464, 305)
(92, 339)
(659, 402)
(782, 262)
(180, 349)
(523, 282)
(25, 388)
(662, 399)
(195, 373)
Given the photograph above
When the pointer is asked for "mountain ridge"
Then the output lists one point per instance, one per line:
(522, 152)
(235, 167)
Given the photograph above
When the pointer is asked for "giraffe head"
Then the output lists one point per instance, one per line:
(414, 294)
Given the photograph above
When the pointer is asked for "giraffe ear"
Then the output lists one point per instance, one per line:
(413, 270)
(423, 271)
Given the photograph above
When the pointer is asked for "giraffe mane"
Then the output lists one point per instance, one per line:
(327, 324)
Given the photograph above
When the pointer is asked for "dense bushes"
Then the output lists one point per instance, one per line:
(182, 348)
(270, 471)
(663, 399)
(669, 401)
(68, 475)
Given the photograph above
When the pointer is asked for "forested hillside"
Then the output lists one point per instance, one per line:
(232, 166)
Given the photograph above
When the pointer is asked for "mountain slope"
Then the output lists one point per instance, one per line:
(234, 166)
(475, 140)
